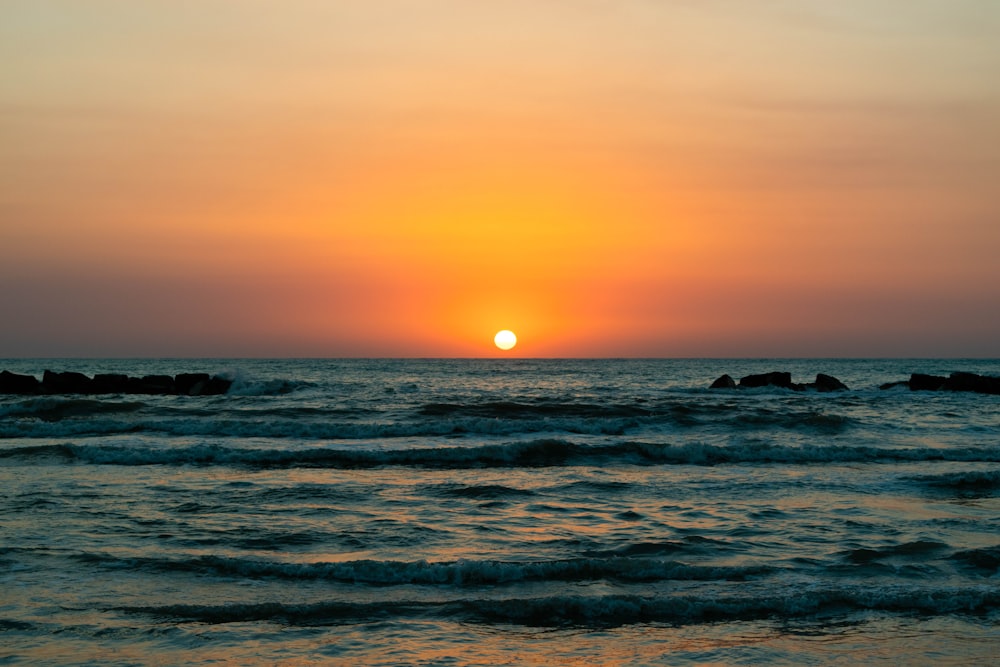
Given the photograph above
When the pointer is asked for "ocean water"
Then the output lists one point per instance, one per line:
(487, 512)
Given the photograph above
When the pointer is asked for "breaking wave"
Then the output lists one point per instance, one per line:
(528, 454)
(453, 574)
(603, 610)
(969, 483)
(243, 414)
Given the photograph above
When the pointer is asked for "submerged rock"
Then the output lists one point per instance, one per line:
(893, 385)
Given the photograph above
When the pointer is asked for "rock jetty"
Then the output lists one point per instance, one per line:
(981, 384)
(781, 379)
(183, 384)
(960, 381)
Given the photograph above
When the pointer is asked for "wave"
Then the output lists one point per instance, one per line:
(274, 424)
(56, 408)
(482, 491)
(181, 415)
(277, 387)
(986, 560)
(604, 610)
(527, 454)
(514, 410)
(690, 544)
(241, 415)
(803, 420)
(917, 549)
(456, 574)
(975, 483)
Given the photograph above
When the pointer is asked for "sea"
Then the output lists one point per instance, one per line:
(501, 512)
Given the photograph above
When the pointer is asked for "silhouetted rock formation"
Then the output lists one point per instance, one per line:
(66, 383)
(13, 383)
(780, 379)
(981, 384)
(110, 383)
(921, 382)
(959, 381)
(187, 384)
(216, 385)
(151, 384)
(828, 383)
(773, 379)
(724, 382)
(190, 384)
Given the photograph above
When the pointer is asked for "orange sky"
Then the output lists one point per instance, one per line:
(407, 177)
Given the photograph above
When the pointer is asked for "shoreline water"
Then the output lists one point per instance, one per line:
(502, 512)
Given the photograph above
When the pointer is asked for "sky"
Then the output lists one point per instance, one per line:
(404, 178)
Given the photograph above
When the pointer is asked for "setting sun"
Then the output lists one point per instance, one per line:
(505, 339)
(615, 179)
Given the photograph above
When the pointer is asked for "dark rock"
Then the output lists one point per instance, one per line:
(921, 382)
(13, 383)
(152, 384)
(724, 382)
(829, 383)
(66, 383)
(982, 384)
(215, 386)
(190, 384)
(110, 383)
(773, 379)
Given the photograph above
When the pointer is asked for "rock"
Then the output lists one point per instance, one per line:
(921, 382)
(773, 379)
(958, 381)
(152, 384)
(66, 383)
(724, 382)
(110, 383)
(215, 386)
(829, 383)
(982, 384)
(190, 384)
(781, 379)
(14, 383)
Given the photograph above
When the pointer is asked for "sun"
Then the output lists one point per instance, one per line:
(505, 339)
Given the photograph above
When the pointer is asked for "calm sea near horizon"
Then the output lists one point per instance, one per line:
(501, 511)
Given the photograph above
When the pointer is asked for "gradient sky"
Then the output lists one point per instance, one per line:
(406, 177)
